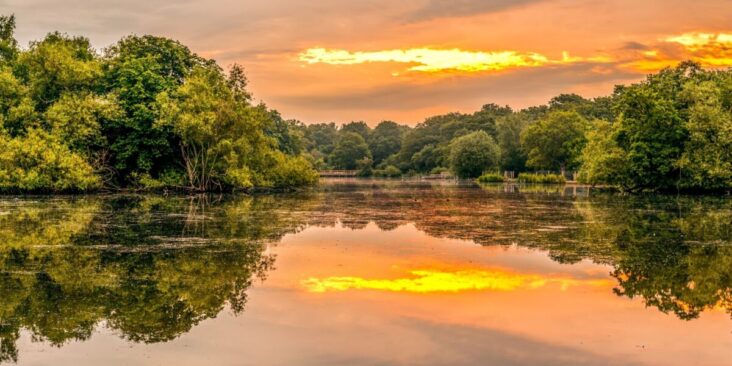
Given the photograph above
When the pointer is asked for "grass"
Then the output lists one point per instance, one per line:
(541, 178)
(490, 178)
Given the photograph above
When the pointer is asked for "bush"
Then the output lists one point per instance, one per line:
(472, 154)
(389, 172)
(40, 162)
(439, 170)
(541, 178)
(293, 172)
(490, 178)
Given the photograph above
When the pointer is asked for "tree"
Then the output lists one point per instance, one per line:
(706, 162)
(137, 70)
(78, 119)
(473, 154)
(555, 142)
(41, 162)
(509, 130)
(651, 132)
(17, 110)
(359, 127)
(222, 137)
(603, 162)
(58, 64)
(385, 140)
(350, 149)
(8, 44)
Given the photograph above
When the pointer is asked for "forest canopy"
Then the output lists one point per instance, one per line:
(146, 112)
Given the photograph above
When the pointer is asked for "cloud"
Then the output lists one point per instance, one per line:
(399, 98)
(433, 9)
(436, 60)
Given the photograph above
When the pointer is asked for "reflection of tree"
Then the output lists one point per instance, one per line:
(149, 268)
(672, 252)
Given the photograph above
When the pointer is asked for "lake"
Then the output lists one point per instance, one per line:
(368, 272)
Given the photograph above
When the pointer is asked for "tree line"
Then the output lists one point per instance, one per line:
(671, 131)
(146, 112)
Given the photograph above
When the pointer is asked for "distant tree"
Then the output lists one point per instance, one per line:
(359, 127)
(289, 134)
(603, 161)
(350, 149)
(385, 140)
(556, 141)
(321, 138)
(652, 134)
(473, 154)
(509, 130)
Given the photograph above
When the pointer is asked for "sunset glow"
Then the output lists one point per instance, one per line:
(340, 61)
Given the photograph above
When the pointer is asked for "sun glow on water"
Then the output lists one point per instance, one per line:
(435, 281)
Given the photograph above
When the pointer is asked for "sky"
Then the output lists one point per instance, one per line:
(346, 60)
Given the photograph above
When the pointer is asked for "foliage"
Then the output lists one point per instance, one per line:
(359, 127)
(556, 141)
(385, 140)
(137, 70)
(491, 178)
(222, 139)
(145, 114)
(349, 149)
(603, 162)
(509, 128)
(389, 171)
(41, 162)
(473, 154)
(541, 178)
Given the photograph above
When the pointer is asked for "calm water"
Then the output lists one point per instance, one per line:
(368, 273)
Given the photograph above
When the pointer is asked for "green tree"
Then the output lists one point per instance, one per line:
(509, 130)
(651, 132)
(350, 149)
(58, 64)
(8, 44)
(78, 119)
(385, 140)
(706, 162)
(473, 154)
(41, 162)
(603, 162)
(137, 70)
(555, 142)
(359, 127)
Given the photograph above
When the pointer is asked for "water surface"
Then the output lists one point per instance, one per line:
(360, 272)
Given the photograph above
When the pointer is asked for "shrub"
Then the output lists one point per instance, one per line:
(40, 162)
(490, 178)
(472, 154)
(541, 178)
(389, 172)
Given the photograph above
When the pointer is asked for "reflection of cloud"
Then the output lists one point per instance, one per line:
(435, 60)
(428, 281)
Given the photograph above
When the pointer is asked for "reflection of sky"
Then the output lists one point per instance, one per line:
(427, 281)
(523, 315)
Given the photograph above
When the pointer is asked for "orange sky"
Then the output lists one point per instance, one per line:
(338, 60)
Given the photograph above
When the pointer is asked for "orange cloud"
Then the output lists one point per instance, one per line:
(435, 60)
